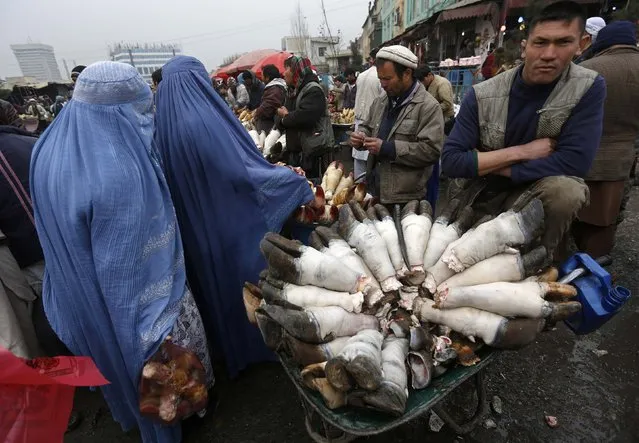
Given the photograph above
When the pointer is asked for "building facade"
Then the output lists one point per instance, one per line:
(393, 20)
(146, 58)
(38, 61)
(372, 29)
(420, 10)
(317, 49)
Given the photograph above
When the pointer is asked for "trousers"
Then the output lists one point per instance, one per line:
(562, 198)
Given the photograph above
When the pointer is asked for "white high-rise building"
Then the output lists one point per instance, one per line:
(146, 58)
(38, 61)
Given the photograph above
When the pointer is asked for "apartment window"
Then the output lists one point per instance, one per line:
(140, 71)
(321, 51)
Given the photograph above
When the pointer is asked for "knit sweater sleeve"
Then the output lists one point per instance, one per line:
(577, 144)
(459, 158)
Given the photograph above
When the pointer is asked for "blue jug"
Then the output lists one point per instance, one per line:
(600, 301)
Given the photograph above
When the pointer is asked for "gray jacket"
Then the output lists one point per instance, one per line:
(493, 97)
(418, 133)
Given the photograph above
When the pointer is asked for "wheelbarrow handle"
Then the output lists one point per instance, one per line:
(603, 261)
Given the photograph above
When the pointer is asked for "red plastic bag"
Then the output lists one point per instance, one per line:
(173, 385)
(36, 396)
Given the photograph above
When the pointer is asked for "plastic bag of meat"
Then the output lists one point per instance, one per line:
(173, 385)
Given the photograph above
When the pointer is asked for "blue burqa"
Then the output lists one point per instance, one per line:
(115, 273)
(226, 197)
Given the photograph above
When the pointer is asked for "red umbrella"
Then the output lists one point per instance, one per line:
(276, 59)
(247, 61)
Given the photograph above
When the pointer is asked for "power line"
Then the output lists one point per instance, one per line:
(251, 26)
(268, 23)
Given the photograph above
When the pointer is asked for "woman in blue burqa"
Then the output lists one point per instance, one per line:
(227, 196)
(115, 283)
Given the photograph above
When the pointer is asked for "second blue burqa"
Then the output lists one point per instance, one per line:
(226, 197)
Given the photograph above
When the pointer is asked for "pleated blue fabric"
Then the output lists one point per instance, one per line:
(227, 196)
(115, 274)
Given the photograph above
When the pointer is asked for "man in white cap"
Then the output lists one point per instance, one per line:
(593, 26)
(403, 133)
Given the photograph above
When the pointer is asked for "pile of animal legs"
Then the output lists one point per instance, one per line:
(388, 299)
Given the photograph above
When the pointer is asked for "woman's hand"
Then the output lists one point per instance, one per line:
(282, 111)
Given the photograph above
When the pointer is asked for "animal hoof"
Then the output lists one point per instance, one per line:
(563, 311)
(389, 398)
(421, 368)
(252, 301)
(271, 331)
(337, 374)
(414, 277)
(366, 372)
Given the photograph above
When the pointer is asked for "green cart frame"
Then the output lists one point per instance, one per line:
(347, 424)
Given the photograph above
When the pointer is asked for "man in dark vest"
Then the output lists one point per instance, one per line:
(616, 57)
(533, 131)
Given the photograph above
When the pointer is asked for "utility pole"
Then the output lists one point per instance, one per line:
(66, 68)
(328, 29)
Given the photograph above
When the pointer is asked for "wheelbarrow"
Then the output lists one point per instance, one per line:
(348, 423)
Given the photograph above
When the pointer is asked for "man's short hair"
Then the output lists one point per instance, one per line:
(247, 75)
(271, 72)
(562, 11)
(157, 76)
(78, 70)
(399, 69)
(349, 71)
(374, 52)
(422, 72)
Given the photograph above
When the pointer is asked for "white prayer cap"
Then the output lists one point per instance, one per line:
(399, 54)
(594, 25)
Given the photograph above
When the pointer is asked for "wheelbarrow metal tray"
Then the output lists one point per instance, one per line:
(363, 422)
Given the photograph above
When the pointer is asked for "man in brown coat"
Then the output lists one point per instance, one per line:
(403, 133)
(440, 88)
(616, 58)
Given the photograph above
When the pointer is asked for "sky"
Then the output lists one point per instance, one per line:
(206, 29)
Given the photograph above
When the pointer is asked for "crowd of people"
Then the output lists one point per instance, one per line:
(137, 216)
(42, 109)
(149, 207)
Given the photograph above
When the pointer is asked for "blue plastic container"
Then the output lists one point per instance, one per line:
(599, 299)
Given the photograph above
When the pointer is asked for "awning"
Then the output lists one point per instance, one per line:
(415, 31)
(463, 3)
(459, 13)
(515, 4)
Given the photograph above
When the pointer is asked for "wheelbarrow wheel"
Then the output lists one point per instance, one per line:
(480, 412)
(330, 433)
(322, 432)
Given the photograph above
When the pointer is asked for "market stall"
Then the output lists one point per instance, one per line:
(462, 75)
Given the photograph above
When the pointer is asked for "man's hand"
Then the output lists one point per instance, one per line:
(537, 149)
(498, 162)
(374, 145)
(357, 139)
(282, 111)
